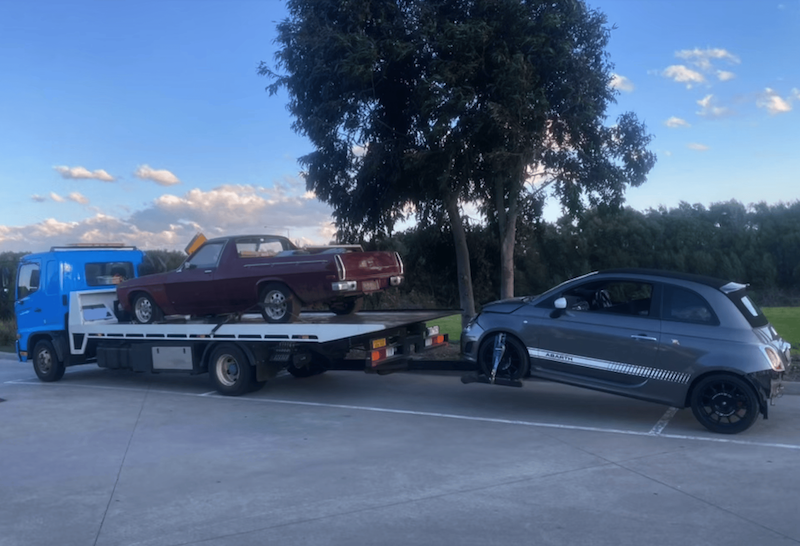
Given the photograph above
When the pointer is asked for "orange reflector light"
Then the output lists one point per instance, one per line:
(378, 343)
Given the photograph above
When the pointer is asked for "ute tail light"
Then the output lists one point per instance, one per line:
(340, 270)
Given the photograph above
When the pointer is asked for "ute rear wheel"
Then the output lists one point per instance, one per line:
(513, 361)
(46, 363)
(278, 304)
(145, 310)
(725, 404)
(231, 372)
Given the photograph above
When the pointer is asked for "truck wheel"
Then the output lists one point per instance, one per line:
(278, 304)
(46, 363)
(230, 371)
(347, 307)
(725, 404)
(145, 310)
(514, 361)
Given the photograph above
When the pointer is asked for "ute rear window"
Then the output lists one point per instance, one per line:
(748, 308)
(108, 273)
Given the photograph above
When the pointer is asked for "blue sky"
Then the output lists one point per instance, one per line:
(145, 122)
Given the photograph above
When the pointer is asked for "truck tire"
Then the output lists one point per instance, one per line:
(278, 304)
(231, 372)
(46, 363)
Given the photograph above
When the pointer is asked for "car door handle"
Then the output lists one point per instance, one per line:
(643, 337)
(207, 271)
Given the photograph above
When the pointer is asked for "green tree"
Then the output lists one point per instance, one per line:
(435, 103)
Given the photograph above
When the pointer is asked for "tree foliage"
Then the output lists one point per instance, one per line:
(429, 104)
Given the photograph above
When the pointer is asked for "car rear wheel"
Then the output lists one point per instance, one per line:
(725, 404)
(347, 307)
(278, 304)
(513, 363)
(145, 310)
(230, 371)
(46, 363)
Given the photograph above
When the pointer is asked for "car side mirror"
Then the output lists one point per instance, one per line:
(560, 307)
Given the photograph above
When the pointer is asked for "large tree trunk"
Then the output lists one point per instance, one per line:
(462, 260)
(507, 207)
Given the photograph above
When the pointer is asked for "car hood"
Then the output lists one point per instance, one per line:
(504, 306)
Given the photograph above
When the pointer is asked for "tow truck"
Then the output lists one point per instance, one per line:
(67, 314)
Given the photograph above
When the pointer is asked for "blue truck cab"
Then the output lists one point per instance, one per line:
(44, 283)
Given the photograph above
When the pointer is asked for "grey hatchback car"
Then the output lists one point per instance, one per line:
(670, 338)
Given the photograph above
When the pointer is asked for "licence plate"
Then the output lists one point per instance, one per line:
(370, 286)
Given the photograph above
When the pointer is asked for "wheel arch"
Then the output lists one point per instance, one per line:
(58, 339)
(263, 283)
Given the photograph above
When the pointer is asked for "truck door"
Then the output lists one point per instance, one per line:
(28, 305)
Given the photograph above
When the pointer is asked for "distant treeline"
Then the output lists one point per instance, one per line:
(759, 245)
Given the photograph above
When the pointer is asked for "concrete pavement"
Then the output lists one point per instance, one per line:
(110, 457)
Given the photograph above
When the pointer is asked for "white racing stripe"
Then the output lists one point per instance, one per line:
(610, 366)
(513, 422)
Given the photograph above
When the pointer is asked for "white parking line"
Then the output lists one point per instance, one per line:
(663, 422)
(437, 415)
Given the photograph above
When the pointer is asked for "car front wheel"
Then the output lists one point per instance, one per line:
(511, 354)
(725, 404)
(145, 310)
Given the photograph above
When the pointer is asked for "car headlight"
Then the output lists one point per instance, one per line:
(774, 359)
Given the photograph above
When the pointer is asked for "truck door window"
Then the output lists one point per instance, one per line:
(27, 280)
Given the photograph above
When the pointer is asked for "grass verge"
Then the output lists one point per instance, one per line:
(786, 321)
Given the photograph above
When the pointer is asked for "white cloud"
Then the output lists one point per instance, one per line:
(724, 75)
(36, 198)
(78, 198)
(682, 74)
(622, 83)
(162, 177)
(702, 58)
(55, 197)
(83, 173)
(171, 220)
(709, 110)
(698, 147)
(773, 103)
(675, 122)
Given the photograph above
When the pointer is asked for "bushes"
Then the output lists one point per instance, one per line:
(8, 333)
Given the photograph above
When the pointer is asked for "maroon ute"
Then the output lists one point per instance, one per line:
(265, 273)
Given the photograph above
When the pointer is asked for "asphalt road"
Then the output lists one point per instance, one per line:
(110, 457)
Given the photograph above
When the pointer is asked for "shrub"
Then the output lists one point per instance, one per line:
(8, 332)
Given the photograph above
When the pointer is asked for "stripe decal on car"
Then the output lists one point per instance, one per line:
(611, 366)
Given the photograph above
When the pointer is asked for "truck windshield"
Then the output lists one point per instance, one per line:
(108, 273)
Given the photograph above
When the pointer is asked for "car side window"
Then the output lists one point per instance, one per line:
(618, 297)
(260, 247)
(684, 305)
(206, 256)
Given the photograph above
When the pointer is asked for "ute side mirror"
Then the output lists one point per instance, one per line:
(560, 307)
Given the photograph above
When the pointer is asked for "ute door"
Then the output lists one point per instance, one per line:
(608, 336)
(193, 289)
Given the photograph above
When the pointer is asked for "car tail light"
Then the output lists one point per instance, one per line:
(774, 359)
(340, 270)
